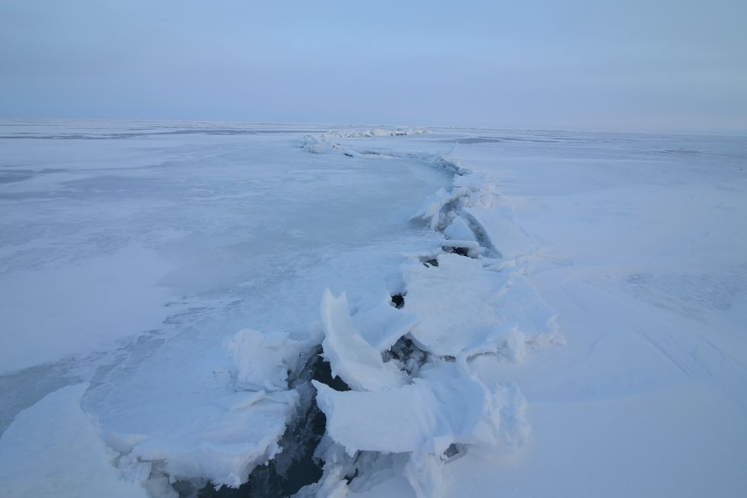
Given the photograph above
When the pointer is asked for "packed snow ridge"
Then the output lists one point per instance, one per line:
(402, 399)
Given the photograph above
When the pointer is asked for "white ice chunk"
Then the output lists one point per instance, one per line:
(459, 230)
(383, 324)
(218, 444)
(262, 362)
(444, 407)
(464, 308)
(203, 428)
(53, 450)
(350, 356)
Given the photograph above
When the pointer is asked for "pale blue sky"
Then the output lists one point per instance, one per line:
(658, 64)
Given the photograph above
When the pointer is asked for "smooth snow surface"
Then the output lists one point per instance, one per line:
(53, 449)
(570, 310)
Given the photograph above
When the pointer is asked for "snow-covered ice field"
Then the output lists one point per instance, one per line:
(370, 311)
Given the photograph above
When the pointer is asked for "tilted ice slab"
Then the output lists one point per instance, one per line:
(350, 356)
(382, 324)
(468, 306)
(476, 212)
(500, 230)
(459, 230)
(437, 208)
(218, 424)
(60, 455)
(444, 406)
(465, 308)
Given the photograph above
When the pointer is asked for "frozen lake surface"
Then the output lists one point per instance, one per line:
(536, 313)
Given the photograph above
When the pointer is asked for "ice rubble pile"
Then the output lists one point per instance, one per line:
(320, 144)
(388, 411)
(413, 394)
(377, 132)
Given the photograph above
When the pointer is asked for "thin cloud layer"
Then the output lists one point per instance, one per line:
(579, 64)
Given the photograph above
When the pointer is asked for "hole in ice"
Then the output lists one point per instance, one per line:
(398, 301)
(451, 451)
(408, 355)
(349, 478)
(430, 262)
(295, 467)
(185, 488)
(461, 251)
(323, 373)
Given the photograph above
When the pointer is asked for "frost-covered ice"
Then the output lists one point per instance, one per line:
(569, 316)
